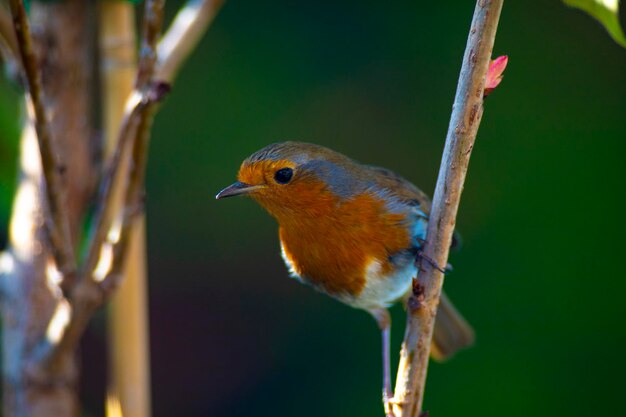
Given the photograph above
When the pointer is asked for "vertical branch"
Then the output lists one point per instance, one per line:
(150, 33)
(464, 122)
(144, 83)
(9, 52)
(128, 389)
(32, 305)
(152, 24)
(57, 223)
(130, 367)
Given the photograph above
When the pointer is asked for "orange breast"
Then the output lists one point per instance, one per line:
(332, 249)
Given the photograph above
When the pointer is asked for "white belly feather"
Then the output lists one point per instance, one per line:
(384, 290)
(380, 290)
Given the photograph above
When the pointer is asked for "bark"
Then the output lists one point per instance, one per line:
(128, 391)
(47, 301)
(61, 34)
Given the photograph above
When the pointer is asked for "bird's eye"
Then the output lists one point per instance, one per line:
(283, 176)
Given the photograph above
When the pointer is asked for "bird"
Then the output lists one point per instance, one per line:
(351, 231)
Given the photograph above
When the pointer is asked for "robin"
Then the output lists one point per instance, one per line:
(349, 230)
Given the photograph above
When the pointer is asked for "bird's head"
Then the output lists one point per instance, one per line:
(292, 178)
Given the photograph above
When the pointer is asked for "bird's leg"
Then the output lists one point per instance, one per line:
(420, 256)
(382, 317)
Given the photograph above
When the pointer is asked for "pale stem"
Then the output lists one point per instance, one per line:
(464, 122)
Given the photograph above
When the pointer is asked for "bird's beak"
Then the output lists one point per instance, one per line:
(237, 188)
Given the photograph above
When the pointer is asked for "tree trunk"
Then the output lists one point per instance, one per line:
(63, 39)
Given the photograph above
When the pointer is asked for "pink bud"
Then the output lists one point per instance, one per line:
(494, 73)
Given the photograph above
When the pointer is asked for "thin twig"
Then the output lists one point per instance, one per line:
(178, 42)
(139, 108)
(136, 104)
(183, 35)
(151, 30)
(464, 122)
(133, 206)
(153, 22)
(133, 199)
(134, 132)
(57, 223)
(9, 51)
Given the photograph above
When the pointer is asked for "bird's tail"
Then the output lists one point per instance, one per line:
(452, 332)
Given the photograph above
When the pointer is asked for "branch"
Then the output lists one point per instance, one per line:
(150, 32)
(137, 104)
(86, 295)
(464, 122)
(171, 51)
(9, 51)
(7, 32)
(134, 133)
(133, 204)
(160, 62)
(183, 35)
(57, 223)
(137, 109)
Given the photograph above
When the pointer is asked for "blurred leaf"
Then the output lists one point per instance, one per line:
(604, 11)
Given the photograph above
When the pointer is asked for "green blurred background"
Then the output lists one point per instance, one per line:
(540, 275)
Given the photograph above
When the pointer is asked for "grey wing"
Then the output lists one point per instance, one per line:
(408, 194)
(403, 190)
(401, 196)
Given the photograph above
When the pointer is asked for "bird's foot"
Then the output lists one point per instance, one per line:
(423, 257)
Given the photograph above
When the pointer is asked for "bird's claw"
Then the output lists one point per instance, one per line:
(421, 256)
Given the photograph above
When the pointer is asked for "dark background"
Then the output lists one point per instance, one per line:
(541, 273)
